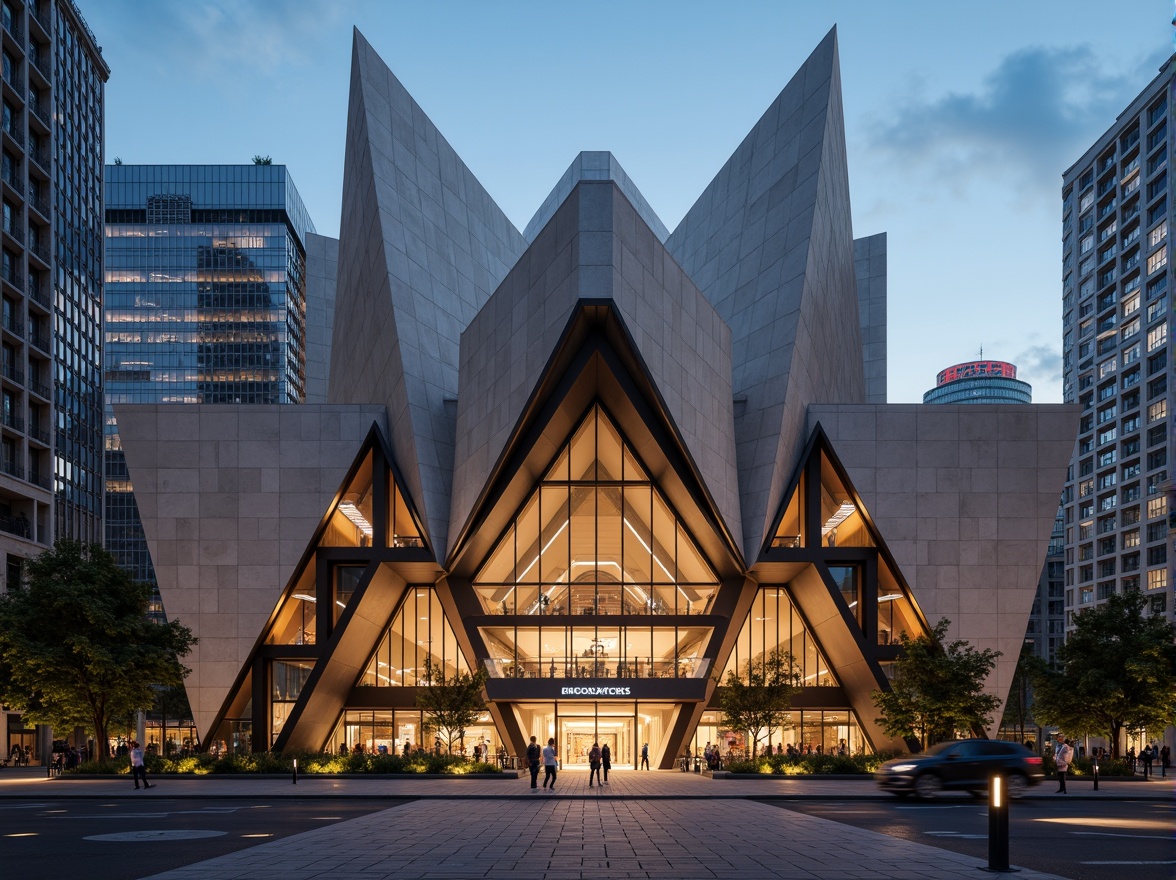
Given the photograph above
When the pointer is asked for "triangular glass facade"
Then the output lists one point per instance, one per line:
(418, 633)
(596, 537)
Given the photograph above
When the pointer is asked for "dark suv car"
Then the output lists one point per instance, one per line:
(961, 765)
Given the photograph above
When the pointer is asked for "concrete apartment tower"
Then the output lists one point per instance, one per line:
(1118, 359)
(54, 79)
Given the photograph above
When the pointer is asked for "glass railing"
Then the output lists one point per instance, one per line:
(13, 28)
(597, 667)
(18, 525)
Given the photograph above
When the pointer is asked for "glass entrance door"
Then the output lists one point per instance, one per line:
(611, 723)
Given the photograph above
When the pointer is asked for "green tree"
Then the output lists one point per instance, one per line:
(759, 700)
(937, 689)
(1116, 671)
(76, 646)
(259, 159)
(451, 703)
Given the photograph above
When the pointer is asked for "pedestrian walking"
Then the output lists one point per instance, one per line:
(138, 770)
(1165, 760)
(1146, 757)
(593, 764)
(533, 756)
(645, 757)
(605, 761)
(1063, 755)
(550, 763)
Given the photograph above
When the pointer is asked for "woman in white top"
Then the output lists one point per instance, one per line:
(549, 764)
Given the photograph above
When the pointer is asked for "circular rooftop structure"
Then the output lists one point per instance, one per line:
(979, 382)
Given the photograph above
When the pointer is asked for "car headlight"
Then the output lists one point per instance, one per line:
(902, 768)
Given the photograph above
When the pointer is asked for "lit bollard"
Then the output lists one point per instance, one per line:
(295, 771)
(1096, 774)
(998, 824)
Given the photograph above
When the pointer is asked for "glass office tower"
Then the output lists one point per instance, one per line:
(205, 303)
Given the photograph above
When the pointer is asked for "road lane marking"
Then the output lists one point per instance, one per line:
(1110, 834)
(211, 811)
(147, 836)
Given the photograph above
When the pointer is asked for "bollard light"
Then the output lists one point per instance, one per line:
(295, 771)
(998, 823)
(1096, 774)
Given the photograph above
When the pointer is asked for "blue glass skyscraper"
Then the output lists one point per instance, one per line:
(205, 303)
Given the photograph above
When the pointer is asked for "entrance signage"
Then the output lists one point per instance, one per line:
(574, 691)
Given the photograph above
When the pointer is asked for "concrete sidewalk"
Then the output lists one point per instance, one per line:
(548, 837)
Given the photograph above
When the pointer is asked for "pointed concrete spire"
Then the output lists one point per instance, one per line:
(595, 165)
(230, 495)
(422, 245)
(964, 497)
(770, 244)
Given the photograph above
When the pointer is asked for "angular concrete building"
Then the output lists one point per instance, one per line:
(605, 462)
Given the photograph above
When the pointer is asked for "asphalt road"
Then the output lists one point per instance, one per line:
(1079, 839)
(125, 838)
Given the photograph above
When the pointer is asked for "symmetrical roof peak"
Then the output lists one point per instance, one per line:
(595, 165)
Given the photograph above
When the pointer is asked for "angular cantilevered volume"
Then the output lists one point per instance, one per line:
(770, 244)
(596, 247)
(421, 247)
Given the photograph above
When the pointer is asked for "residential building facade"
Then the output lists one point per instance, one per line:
(1118, 358)
(54, 80)
(205, 303)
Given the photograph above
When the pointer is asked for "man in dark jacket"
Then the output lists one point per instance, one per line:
(533, 755)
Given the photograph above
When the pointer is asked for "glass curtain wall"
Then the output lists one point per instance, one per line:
(596, 538)
(774, 624)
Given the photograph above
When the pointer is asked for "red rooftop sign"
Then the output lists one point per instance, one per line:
(1002, 369)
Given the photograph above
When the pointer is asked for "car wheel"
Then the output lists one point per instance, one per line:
(928, 785)
(1015, 785)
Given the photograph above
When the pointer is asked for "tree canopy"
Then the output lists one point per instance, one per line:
(451, 704)
(760, 699)
(1116, 671)
(76, 646)
(937, 689)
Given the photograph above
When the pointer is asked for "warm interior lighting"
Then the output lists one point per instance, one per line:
(349, 510)
(542, 550)
(305, 597)
(839, 516)
(648, 548)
